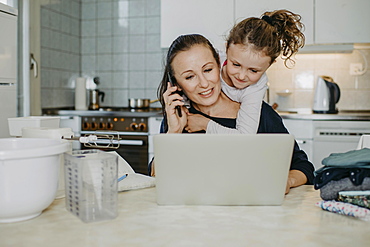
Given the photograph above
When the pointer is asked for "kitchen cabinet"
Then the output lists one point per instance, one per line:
(342, 21)
(8, 67)
(327, 22)
(303, 134)
(154, 125)
(211, 18)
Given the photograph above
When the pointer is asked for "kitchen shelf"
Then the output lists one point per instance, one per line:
(284, 93)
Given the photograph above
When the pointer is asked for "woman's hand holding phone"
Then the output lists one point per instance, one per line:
(176, 121)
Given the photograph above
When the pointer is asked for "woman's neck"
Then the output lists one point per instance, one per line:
(223, 107)
(225, 77)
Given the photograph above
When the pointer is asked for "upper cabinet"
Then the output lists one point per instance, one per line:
(326, 22)
(211, 18)
(342, 21)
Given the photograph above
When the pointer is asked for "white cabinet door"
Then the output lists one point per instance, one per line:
(154, 124)
(8, 48)
(342, 21)
(303, 134)
(305, 8)
(211, 18)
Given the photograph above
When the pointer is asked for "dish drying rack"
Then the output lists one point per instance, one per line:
(110, 141)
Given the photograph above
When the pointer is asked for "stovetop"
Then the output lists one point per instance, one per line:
(105, 111)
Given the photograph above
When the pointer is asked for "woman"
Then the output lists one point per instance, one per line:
(194, 67)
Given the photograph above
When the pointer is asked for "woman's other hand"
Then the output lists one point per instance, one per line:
(175, 123)
(196, 122)
(295, 179)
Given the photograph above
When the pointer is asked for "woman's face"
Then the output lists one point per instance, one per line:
(198, 74)
(245, 66)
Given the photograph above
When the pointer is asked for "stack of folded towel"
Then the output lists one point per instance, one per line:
(348, 171)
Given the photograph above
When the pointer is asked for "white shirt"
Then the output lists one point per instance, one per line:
(249, 113)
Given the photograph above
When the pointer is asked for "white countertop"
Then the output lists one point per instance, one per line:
(340, 116)
(301, 114)
(141, 222)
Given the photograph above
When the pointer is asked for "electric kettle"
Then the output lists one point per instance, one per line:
(327, 94)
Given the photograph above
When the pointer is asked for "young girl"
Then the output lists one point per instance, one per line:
(252, 46)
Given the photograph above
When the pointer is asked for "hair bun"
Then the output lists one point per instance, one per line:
(267, 19)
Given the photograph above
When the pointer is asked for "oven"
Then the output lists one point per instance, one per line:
(130, 132)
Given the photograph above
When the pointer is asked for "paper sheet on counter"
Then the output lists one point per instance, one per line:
(133, 180)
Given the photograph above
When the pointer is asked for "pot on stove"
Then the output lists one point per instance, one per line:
(140, 103)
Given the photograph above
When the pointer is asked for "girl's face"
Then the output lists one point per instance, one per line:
(198, 74)
(245, 66)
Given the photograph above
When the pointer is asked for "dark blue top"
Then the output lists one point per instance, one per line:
(270, 122)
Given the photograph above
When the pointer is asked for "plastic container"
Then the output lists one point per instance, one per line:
(28, 176)
(57, 134)
(91, 185)
(16, 124)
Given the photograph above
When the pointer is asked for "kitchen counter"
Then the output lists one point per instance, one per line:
(156, 112)
(141, 222)
(340, 116)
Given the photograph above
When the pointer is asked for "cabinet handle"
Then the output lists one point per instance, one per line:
(33, 65)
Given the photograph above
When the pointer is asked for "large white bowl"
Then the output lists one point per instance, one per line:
(29, 169)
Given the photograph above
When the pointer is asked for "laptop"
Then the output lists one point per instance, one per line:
(218, 169)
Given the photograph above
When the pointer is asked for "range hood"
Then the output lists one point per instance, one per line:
(327, 48)
(333, 48)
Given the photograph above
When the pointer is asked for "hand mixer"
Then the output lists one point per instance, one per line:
(98, 140)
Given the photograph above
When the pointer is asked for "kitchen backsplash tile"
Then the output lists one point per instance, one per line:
(137, 8)
(137, 44)
(120, 97)
(120, 9)
(88, 11)
(120, 80)
(105, 10)
(119, 41)
(104, 45)
(137, 80)
(104, 27)
(88, 28)
(301, 80)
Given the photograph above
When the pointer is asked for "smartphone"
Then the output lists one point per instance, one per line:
(182, 94)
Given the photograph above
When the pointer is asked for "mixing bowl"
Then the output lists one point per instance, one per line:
(29, 170)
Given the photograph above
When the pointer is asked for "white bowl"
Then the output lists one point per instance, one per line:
(29, 170)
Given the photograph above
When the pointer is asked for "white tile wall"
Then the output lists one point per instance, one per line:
(60, 51)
